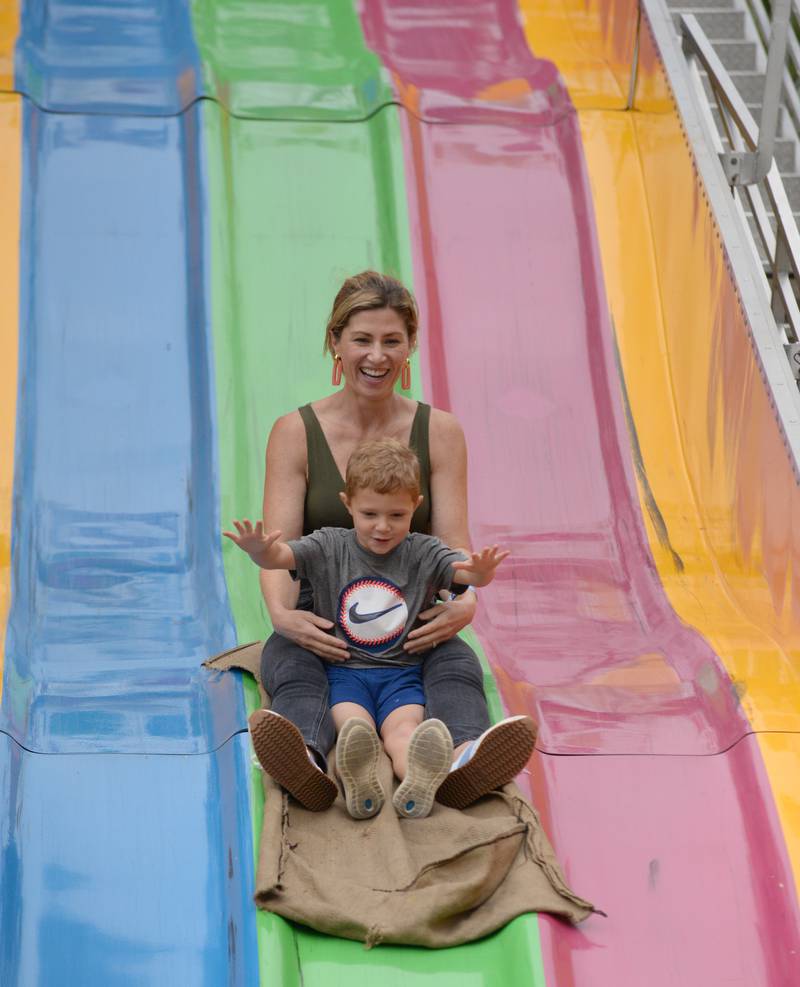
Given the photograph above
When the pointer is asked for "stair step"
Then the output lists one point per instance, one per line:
(783, 120)
(752, 224)
(737, 55)
(717, 24)
(792, 185)
(750, 85)
(761, 252)
(693, 5)
(766, 261)
(785, 155)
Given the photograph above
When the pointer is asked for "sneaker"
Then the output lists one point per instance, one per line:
(283, 754)
(430, 754)
(490, 762)
(357, 751)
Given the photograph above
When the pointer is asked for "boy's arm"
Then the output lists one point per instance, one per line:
(479, 568)
(264, 549)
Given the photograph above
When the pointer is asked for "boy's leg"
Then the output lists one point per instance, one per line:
(357, 747)
(421, 750)
(396, 731)
(422, 759)
(344, 711)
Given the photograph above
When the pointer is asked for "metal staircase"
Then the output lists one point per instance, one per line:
(739, 35)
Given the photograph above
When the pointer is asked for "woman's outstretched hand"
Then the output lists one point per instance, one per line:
(310, 632)
(443, 621)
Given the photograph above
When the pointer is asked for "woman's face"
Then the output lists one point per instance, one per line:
(373, 346)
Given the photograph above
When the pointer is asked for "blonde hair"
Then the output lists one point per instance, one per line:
(371, 290)
(383, 465)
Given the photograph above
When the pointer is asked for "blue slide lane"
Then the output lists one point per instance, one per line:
(134, 56)
(118, 584)
(126, 843)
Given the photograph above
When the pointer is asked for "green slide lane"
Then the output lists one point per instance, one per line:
(289, 61)
(299, 199)
(295, 208)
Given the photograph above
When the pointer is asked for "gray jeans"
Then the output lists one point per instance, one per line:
(296, 682)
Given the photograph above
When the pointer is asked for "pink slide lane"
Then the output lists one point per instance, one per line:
(654, 795)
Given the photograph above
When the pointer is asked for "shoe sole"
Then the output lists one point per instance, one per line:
(430, 754)
(282, 753)
(357, 751)
(501, 756)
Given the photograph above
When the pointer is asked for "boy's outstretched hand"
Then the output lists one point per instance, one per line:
(481, 565)
(253, 540)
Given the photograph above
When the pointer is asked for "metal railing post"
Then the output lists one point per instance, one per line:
(751, 167)
(781, 245)
(635, 60)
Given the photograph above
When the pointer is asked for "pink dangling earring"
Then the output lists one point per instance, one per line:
(336, 376)
(405, 376)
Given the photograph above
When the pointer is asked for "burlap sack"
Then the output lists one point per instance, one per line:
(441, 881)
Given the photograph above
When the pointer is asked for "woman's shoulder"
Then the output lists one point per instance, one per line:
(287, 434)
(287, 426)
(445, 422)
(446, 436)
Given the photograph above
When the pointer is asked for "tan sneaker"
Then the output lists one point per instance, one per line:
(357, 751)
(430, 754)
(283, 754)
(494, 759)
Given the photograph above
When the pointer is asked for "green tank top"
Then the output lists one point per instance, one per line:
(323, 508)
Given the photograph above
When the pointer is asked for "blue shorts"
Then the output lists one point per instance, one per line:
(378, 690)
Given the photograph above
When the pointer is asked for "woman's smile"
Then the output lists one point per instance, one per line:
(373, 374)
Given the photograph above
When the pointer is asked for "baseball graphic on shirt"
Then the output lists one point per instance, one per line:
(372, 613)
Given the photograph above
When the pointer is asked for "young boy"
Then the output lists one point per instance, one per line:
(372, 582)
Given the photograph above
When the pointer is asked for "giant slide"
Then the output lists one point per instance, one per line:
(182, 188)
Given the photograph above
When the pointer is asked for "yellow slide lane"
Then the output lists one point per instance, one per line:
(592, 50)
(9, 27)
(720, 500)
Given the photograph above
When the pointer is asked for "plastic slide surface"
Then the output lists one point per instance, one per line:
(167, 264)
(296, 205)
(715, 479)
(10, 136)
(125, 833)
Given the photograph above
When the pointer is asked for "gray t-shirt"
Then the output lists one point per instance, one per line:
(374, 600)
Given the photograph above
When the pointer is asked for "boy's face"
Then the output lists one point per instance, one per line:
(381, 520)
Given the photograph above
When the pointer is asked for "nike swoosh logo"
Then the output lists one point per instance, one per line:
(362, 618)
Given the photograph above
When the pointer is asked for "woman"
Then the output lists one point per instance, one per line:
(370, 335)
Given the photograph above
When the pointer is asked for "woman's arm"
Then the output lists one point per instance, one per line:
(448, 452)
(284, 500)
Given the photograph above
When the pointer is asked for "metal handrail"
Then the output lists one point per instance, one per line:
(748, 167)
(781, 246)
(789, 94)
